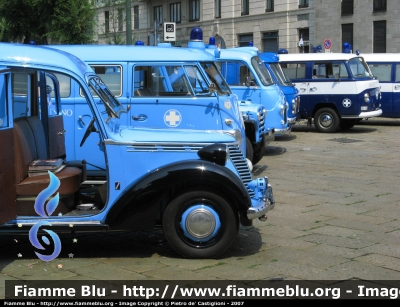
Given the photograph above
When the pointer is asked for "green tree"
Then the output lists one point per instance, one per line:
(73, 22)
(67, 21)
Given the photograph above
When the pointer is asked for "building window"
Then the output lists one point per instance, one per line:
(107, 21)
(379, 44)
(269, 6)
(136, 17)
(175, 12)
(380, 6)
(244, 40)
(120, 20)
(217, 8)
(245, 7)
(270, 41)
(347, 7)
(347, 34)
(158, 14)
(304, 40)
(194, 10)
(303, 3)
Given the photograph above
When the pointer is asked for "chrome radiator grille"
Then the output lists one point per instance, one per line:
(241, 166)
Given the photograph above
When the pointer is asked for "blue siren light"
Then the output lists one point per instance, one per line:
(196, 35)
(139, 43)
(212, 41)
(250, 43)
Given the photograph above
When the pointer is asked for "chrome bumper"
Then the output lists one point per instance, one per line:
(285, 131)
(263, 201)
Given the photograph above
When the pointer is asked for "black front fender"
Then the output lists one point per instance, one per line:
(142, 202)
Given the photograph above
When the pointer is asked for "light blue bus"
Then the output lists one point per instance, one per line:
(386, 67)
(194, 184)
(160, 86)
(251, 81)
(271, 61)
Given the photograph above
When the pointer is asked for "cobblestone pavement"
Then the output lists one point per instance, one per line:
(336, 218)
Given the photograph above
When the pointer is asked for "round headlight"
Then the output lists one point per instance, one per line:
(366, 97)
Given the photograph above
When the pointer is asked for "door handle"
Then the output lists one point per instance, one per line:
(62, 132)
(313, 89)
(302, 90)
(140, 117)
(396, 87)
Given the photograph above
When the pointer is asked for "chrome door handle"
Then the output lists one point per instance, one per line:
(397, 87)
(62, 132)
(313, 89)
(302, 90)
(139, 117)
(81, 120)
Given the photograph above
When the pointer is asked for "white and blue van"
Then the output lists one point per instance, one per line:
(160, 86)
(271, 61)
(336, 89)
(194, 184)
(386, 67)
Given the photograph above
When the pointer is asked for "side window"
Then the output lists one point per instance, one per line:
(52, 107)
(65, 85)
(323, 70)
(111, 76)
(397, 73)
(295, 70)
(3, 101)
(21, 98)
(382, 71)
(245, 72)
(168, 80)
(339, 69)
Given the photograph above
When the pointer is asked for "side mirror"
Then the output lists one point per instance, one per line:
(249, 82)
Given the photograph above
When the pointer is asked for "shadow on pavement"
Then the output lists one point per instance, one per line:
(142, 244)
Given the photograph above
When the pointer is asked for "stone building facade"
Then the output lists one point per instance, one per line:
(368, 25)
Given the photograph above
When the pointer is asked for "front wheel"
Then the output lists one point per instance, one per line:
(326, 120)
(249, 149)
(200, 224)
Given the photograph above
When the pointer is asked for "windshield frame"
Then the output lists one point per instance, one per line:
(113, 107)
(262, 72)
(215, 76)
(279, 74)
(359, 68)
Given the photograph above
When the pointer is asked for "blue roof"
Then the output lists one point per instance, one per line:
(269, 57)
(244, 53)
(24, 55)
(124, 53)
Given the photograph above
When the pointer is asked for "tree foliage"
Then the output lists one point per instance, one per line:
(65, 21)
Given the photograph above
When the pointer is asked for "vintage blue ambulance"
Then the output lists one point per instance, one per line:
(160, 86)
(271, 61)
(194, 184)
(251, 81)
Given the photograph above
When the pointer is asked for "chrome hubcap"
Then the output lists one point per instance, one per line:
(326, 120)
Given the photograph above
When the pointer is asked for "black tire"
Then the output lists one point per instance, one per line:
(348, 123)
(202, 208)
(249, 149)
(257, 156)
(326, 120)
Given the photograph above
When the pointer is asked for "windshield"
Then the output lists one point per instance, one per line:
(359, 68)
(262, 71)
(280, 74)
(112, 105)
(215, 76)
